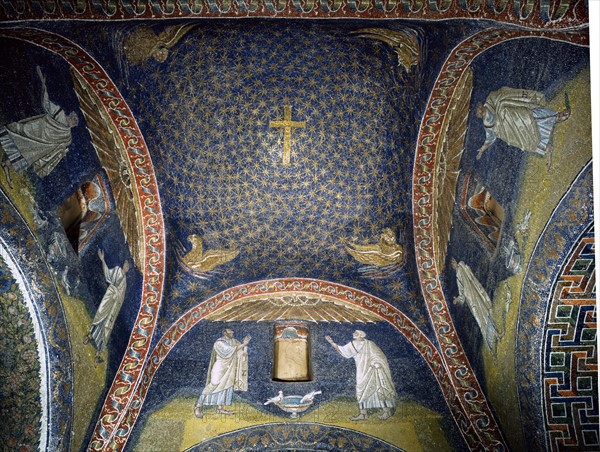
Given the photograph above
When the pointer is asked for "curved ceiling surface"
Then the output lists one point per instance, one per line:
(215, 129)
(318, 172)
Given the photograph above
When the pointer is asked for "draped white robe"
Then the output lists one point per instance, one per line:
(39, 141)
(374, 384)
(228, 371)
(520, 118)
(473, 293)
(109, 308)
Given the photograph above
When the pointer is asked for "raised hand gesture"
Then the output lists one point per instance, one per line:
(246, 340)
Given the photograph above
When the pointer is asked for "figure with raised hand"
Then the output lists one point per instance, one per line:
(227, 372)
(39, 141)
(374, 385)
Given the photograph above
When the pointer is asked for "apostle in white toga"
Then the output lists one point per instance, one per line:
(227, 372)
(40, 141)
(520, 118)
(374, 385)
(109, 308)
(473, 293)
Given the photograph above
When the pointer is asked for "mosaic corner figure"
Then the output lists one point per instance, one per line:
(374, 384)
(41, 141)
(143, 43)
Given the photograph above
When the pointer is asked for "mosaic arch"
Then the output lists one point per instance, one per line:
(548, 20)
(147, 194)
(560, 286)
(423, 183)
(278, 437)
(570, 402)
(423, 190)
(247, 293)
(36, 355)
(147, 201)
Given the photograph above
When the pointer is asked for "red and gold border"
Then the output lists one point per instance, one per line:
(469, 392)
(150, 211)
(451, 368)
(531, 13)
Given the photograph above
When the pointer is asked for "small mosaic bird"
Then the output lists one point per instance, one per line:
(278, 398)
(199, 260)
(386, 252)
(309, 397)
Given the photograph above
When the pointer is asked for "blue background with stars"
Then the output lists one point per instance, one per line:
(220, 163)
(205, 113)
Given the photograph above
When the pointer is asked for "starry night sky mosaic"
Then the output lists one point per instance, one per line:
(210, 110)
(222, 171)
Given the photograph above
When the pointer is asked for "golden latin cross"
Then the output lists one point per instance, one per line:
(287, 125)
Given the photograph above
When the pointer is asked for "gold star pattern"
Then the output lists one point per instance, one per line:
(220, 164)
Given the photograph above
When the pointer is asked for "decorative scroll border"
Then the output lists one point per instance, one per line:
(533, 13)
(304, 286)
(151, 213)
(538, 285)
(18, 241)
(463, 378)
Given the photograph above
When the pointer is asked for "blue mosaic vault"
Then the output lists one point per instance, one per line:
(296, 226)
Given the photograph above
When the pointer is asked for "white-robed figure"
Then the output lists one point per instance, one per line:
(520, 118)
(40, 141)
(374, 384)
(227, 372)
(473, 293)
(108, 310)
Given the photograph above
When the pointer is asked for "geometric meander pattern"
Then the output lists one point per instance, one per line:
(570, 377)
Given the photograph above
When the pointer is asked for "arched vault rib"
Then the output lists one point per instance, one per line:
(346, 298)
(146, 202)
(469, 394)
